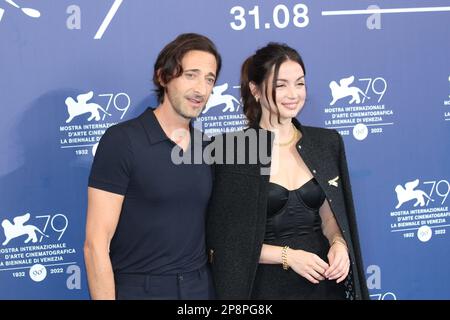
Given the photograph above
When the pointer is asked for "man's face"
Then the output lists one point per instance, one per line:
(189, 92)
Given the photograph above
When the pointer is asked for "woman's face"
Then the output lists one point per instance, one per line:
(290, 91)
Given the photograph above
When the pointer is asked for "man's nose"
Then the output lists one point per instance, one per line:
(200, 87)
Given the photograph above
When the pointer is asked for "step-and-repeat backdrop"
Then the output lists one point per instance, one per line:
(378, 72)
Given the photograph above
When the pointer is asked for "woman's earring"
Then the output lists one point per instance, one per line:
(257, 98)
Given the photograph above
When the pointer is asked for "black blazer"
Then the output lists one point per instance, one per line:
(236, 218)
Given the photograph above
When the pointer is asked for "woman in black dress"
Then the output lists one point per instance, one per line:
(290, 234)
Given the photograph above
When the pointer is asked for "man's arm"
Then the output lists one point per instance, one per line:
(102, 217)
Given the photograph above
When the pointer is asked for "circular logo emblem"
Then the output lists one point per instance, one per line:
(360, 131)
(424, 233)
(38, 272)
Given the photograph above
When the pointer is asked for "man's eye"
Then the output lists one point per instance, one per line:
(189, 75)
(301, 84)
(210, 80)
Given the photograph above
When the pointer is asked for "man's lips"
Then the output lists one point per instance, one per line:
(196, 101)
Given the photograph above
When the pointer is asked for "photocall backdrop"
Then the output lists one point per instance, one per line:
(378, 72)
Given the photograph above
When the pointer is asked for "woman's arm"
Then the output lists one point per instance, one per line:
(338, 253)
(330, 227)
(306, 264)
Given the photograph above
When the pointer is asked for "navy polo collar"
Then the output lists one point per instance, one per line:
(152, 127)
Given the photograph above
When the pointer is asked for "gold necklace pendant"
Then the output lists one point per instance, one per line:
(294, 137)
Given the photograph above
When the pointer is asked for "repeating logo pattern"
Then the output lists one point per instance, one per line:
(421, 209)
(34, 246)
(217, 98)
(18, 229)
(222, 112)
(357, 108)
(88, 117)
(407, 193)
(343, 90)
(81, 106)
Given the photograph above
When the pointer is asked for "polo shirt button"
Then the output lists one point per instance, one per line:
(299, 147)
(314, 171)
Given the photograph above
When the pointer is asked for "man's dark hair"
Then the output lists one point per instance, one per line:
(168, 64)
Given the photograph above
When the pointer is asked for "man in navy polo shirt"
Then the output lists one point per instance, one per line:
(145, 236)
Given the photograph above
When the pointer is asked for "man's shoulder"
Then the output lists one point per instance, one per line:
(131, 124)
(129, 127)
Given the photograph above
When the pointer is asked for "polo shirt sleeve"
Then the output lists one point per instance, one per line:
(112, 164)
